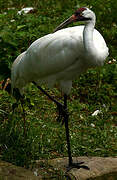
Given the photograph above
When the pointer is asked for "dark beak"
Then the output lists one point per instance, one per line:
(71, 19)
(66, 22)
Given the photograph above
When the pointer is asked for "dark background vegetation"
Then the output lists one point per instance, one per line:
(35, 134)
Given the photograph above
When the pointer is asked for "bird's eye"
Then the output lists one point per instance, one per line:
(77, 13)
(81, 14)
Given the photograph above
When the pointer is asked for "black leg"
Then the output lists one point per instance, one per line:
(59, 105)
(50, 97)
(21, 98)
(77, 165)
(65, 116)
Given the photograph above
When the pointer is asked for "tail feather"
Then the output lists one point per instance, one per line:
(14, 71)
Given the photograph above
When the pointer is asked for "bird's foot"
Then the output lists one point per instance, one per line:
(63, 113)
(77, 165)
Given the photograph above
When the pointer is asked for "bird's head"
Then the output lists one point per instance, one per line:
(81, 14)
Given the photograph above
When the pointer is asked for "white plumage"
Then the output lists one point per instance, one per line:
(61, 56)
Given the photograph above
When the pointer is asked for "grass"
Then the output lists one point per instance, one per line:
(36, 134)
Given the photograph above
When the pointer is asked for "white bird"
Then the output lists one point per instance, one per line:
(60, 57)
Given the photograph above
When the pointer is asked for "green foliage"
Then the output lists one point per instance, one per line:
(35, 134)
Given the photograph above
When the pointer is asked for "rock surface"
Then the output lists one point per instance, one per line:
(99, 169)
(12, 172)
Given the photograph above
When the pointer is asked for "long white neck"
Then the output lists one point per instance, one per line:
(93, 54)
(90, 50)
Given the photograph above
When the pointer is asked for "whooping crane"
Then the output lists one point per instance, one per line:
(61, 57)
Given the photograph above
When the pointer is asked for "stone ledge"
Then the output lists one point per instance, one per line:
(101, 168)
(9, 171)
